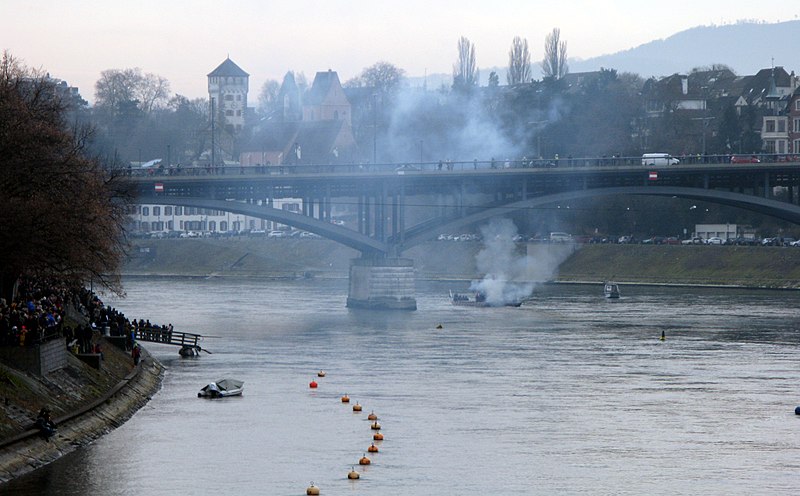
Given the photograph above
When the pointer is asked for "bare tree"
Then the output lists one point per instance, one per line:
(117, 87)
(268, 97)
(383, 76)
(61, 212)
(465, 71)
(519, 62)
(554, 64)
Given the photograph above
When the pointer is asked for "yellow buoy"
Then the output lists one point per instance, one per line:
(345, 399)
(312, 490)
(321, 373)
(377, 436)
(364, 460)
(372, 448)
(372, 416)
(353, 474)
(376, 426)
(356, 407)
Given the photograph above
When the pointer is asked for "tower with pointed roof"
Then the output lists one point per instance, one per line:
(227, 90)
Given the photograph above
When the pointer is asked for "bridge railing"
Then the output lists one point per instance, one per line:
(444, 165)
(159, 335)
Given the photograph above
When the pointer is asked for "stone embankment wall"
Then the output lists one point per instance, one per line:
(97, 415)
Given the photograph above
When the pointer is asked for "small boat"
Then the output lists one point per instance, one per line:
(611, 290)
(222, 389)
(478, 300)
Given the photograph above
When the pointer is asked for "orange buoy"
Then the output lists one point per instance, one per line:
(321, 373)
(356, 407)
(372, 416)
(376, 426)
(312, 490)
(312, 384)
(345, 399)
(353, 474)
(377, 436)
(372, 448)
(364, 460)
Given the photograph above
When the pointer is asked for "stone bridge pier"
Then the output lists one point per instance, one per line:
(382, 284)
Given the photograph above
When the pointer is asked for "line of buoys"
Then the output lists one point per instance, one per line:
(313, 384)
(356, 407)
(372, 416)
(377, 436)
(353, 474)
(345, 399)
(321, 373)
(372, 448)
(312, 490)
(364, 460)
(375, 426)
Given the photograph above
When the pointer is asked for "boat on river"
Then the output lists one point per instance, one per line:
(478, 300)
(222, 389)
(611, 290)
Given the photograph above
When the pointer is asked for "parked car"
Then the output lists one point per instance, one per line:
(655, 240)
(745, 159)
(693, 241)
(277, 234)
(624, 240)
(715, 240)
(672, 240)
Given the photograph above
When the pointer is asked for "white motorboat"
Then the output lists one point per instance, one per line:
(222, 389)
(611, 290)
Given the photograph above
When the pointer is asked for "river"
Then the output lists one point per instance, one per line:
(569, 394)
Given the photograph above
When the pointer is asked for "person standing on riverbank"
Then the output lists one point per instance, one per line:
(136, 354)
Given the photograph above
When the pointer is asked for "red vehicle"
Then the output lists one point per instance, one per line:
(744, 159)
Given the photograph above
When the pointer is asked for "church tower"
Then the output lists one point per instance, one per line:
(227, 89)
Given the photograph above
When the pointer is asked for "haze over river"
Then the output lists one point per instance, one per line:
(569, 394)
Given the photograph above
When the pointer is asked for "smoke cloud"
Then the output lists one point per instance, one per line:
(510, 276)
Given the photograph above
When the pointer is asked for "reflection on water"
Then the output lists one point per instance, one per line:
(570, 393)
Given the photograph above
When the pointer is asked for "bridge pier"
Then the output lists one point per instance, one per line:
(382, 284)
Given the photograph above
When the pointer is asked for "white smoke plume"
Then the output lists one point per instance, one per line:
(510, 276)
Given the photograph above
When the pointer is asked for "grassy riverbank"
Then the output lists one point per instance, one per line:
(774, 267)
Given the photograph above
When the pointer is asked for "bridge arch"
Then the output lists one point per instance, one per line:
(360, 242)
(774, 208)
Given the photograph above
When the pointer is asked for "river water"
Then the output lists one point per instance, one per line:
(569, 394)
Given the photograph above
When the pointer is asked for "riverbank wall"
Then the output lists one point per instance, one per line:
(739, 266)
(86, 403)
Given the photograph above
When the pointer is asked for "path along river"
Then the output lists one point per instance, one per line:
(568, 394)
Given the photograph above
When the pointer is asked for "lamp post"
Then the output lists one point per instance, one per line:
(374, 128)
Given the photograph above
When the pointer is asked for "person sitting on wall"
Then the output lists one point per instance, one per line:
(45, 424)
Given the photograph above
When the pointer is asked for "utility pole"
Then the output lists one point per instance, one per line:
(213, 157)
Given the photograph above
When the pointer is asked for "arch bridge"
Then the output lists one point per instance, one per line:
(399, 206)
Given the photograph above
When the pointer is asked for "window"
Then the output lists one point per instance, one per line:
(229, 113)
(228, 98)
(796, 127)
(797, 146)
(168, 211)
(781, 126)
(797, 104)
(179, 211)
(145, 211)
(156, 211)
(170, 225)
(770, 125)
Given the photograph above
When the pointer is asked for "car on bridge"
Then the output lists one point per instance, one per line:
(745, 159)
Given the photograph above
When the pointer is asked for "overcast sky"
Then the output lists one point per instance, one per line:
(184, 40)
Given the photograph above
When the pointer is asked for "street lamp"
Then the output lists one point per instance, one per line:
(374, 128)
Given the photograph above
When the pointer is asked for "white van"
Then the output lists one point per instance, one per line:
(560, 237)
(659, 159)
